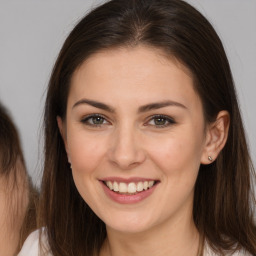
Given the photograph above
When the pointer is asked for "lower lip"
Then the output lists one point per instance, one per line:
(128, 199)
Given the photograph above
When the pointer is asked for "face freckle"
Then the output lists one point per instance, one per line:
(133, 116)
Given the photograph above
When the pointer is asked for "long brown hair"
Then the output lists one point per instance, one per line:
(20, 194)
(224, 196)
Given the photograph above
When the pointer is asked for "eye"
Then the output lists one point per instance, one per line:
(94, 120)
(160, 121)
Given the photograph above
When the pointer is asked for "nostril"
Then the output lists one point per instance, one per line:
(126, 159)
(125, 165)
(125, 150)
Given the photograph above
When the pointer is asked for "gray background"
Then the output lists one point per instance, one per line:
(32, 32)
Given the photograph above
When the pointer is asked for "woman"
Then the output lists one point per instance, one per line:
(17, 195)
(145, 152)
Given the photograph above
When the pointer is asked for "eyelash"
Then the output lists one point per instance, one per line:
(166, 119)
(86, 119)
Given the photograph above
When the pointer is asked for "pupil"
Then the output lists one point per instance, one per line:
(159, 121)
(97, 120)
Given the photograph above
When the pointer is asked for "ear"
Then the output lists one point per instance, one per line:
(62, 129)
(216, 137)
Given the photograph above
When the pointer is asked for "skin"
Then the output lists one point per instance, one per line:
(130, 143)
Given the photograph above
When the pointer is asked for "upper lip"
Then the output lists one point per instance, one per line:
(127, 180)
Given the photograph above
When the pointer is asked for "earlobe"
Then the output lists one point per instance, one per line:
(216, 137)
(62, 130)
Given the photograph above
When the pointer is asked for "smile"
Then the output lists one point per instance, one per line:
(129, 188)
(129, 191)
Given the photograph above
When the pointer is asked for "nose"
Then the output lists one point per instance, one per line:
(126, 149)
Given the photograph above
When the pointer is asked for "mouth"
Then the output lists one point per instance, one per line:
(130, 188)
(129, 191)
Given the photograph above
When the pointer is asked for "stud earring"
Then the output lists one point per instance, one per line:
(210, 158)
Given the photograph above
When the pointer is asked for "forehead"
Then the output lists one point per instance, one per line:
(140, 58)
(142, 72)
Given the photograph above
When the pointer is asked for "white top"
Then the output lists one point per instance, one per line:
(31, 247)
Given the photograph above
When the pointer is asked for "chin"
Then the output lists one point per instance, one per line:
(128, 224)
(128, 229)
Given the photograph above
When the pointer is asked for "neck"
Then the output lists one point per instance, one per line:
(172, 238)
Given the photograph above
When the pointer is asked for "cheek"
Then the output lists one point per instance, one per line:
(179, 152)
(86, 152)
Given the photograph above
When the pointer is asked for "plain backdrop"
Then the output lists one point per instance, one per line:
(31, 35)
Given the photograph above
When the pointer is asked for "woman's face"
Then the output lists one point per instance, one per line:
(134, 135)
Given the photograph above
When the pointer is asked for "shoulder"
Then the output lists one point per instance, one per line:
(242, 253)
(31, 246)
(209, 252)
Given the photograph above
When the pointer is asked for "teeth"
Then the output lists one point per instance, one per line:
(109, 184)
(145, 185)
(140, 187)
(115, 186)
(131, 187)
(122, 188)
(150, 184)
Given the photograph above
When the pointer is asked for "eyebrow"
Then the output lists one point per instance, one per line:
(158, 105)
(95, 104)
(142, 109)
